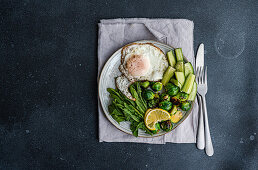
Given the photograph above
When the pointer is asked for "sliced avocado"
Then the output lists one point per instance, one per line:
(187, 88)
(167, 75)
(180, 66)
(171, 58)
(176, 117)
(179, 54)
(193, 92)
(176, 82)
(188, 69)
(180, 77)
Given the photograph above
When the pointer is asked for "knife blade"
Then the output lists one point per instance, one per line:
(199, 62)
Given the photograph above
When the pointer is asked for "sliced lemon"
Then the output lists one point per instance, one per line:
(153, 116)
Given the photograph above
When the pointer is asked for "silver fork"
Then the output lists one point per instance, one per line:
(202, 89)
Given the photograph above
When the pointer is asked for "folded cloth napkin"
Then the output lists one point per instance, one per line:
(115, 33)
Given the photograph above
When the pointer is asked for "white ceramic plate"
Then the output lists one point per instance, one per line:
(107, 80)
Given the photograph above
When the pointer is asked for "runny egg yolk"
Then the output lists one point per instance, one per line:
(138, 65)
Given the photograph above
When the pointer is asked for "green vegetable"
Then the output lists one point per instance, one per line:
(171, 58)
(182, 96)
(175, 101)
(173, 111)
(148, 94)
(171, 89)
(179, 54)
(188, 69)
(135, 126)
(166, 125)
(187, 88)
(165, 96)
(139, 91)
(193, 92)
(157, 86)
(167, 75)
(180, 67)
(138, 101)
(176, 82)
(185, 106)
(157, 128)
(165, 105)
(145, 84)
(180, 77)
(153, 103)
(176, 116)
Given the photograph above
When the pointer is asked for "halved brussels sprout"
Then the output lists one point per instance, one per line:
(148, 94)
(165, 105)
(157, 86)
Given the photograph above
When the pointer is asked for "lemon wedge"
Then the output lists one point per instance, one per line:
(152, 116)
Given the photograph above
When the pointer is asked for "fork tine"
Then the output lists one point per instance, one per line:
(205, 78)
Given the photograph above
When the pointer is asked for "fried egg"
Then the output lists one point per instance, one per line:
(140, 61)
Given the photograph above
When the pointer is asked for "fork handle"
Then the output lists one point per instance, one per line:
(200, 132)
(208, 143)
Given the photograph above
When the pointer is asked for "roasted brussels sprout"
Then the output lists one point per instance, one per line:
(156, 95)
(175, 101)
(145, 84)
(157, 128)
(165, 96)
(166, 125)
(152, 82)
(185, 106)
(148, 95)
(157, 86)
(165, 105)
(182, 96)
(172, 89)
(153, 103)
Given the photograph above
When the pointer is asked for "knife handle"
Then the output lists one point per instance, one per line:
(200, 132)
(208, 143)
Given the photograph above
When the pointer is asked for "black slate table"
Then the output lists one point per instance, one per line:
(48, 90)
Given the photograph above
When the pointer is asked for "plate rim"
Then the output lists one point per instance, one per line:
(101, 73)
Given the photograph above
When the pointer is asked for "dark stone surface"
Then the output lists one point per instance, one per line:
(48, 90)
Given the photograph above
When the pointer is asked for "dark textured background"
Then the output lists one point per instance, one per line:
(48, 90)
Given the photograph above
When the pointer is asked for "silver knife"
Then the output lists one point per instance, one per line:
(199, 62)
(200, 57)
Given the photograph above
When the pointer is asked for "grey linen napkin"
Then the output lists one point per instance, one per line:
(115, 33)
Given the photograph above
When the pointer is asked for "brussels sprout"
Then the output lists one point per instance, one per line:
(153, 103)
(157, 86)
(165, 96)
(185, 106)
(145, 84)
(148, 94)
(165, 105)
(182, 96)
(166, 125)
(172, 89)
(157, 128)
(156, 95)
(152, 82)
(175, 101)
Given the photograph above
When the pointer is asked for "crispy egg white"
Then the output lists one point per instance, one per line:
(140, 61)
